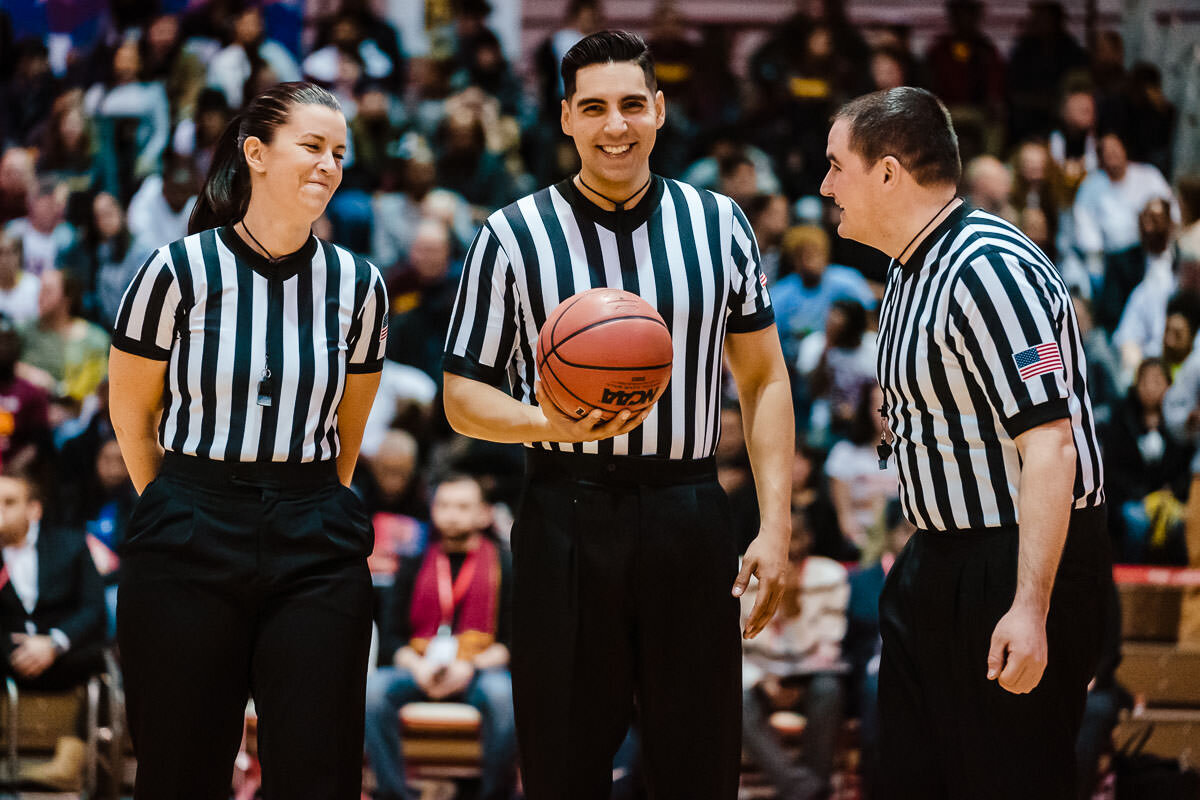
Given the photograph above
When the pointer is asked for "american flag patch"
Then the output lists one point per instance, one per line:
(383, 333)
(762, 279)
(1038, 360)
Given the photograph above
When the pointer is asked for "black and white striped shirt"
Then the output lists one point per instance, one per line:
(218, 313)
(691, 254)
(978, 343)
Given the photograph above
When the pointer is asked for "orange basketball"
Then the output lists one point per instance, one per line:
(606, 349)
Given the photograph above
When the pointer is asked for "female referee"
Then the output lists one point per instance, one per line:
(245, 359)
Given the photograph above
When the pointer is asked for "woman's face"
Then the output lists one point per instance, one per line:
(302, 166)
(1031, 163)
(107, 214)
(71, 127)
(1151, 386)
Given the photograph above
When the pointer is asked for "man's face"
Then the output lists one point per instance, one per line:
(17, 510)
(851, 185)
(393, 471)
(1079, 111)
(459, 510)
(1177, 339)
(1113, 157)
(614, 119)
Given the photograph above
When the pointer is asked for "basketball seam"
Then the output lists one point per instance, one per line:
(555, 345)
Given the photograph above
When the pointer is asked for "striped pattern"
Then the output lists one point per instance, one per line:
(691, 254)
(976, 294)
(202, 305)
(1038, 360)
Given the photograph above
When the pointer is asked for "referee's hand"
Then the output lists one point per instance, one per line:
(1019, 653)
(563, 428)
(768, 560)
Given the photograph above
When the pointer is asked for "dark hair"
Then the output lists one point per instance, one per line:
(1187, 305)
(607, 47)
(909, 124)
(24, 476)
(1188, 190)
(856, 321)
(226, 193)
(862, 425)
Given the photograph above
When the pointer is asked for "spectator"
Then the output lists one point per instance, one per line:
(45, 235)
(372, 131)
(111, 256)
(1073, 145)
(809, 284)
(729, 142)
(583, 18)
(165, 60)
(18, 288)
(466, 166)
(487, 69)
(1109, 201)
(810, 498)
(862, 644)
(1189, 205)
(798, 654)
(67, 153)
(1045, 53)
(1143, 308)
(736, 179)
(769, 216)
(404, 400)
(53, 620)
(196, 137)
(889, 69)
(345, 41)
(443, 650)
(70, 350)
(1181, 410)
(859, 488)
(1038, 185)
(159, 212)
(27, 99)
(1144, 115)
(988, 185)
(966, 71)
(246, 47)
(391, 482)
(24, 418)
(378, 37)
(17, 180)
(422, 295)
(133, 119)
(1179, 335)
(1103, 364)
(1145, 465)
(837, 365)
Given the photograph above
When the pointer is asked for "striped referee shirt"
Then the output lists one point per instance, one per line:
(691, 254)
(220, 313)
(978, 343)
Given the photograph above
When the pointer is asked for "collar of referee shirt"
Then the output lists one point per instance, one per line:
(917, 258)
(280, 268)
(627, 220)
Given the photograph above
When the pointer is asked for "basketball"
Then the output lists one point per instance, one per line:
(606, 349)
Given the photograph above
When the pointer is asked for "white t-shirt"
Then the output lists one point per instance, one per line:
(857, 465)
(20, 303)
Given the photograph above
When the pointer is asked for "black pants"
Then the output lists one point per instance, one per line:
(623, 569)
(236, 581)
(946, 730)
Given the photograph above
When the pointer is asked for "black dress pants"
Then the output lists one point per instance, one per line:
(246, 580)
(949, 733)
(623, 569)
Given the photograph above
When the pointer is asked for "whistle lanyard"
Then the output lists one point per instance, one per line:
(451, 593)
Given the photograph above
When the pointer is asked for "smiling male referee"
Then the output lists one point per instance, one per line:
(624, 550)
(991, 616)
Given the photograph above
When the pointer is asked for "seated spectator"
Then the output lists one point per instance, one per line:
(769, 216)
(1038, 185)
(24, 408)
(1144, 114)
(196, 137)
(1108, 203)
(809, 284)
(810, 498)
(70, 350)
(726, 142)
(466, 165)
(448, 650)
(862, 644)
(1073, 145)
(736, 179)
(889, 69)
(422, 295)
(166, 60)
(110, 255)
(246, 45)
(1183, 325)
(859, 488)
(988, 186)
(1146, 465)
(391, 483)
(1143, 306)
(377, 124)
(1044, 54)
(344, 39)
(408, 195)
(45, 234)
(798, 655)
(133, 119)
(68, 151)
(17, 181)
(53, 619)
(18, 288)
(836, 365)
(487, 69)
(1103, 364)
(159, 211)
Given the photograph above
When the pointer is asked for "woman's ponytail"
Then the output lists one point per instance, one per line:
(226, 192)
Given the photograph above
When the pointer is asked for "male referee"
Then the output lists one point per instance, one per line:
(624, 550)
(991, 616)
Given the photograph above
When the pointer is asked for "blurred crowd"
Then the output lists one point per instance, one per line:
(107, 131)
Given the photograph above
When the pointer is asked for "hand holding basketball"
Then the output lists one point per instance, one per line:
(591, 428)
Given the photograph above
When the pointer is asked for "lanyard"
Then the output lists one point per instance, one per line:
(3, 576)
(451, 594)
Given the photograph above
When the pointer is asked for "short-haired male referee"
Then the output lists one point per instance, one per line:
(624, 551)
(991, 616)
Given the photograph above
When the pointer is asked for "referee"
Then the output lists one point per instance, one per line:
(245, 359)
(625, 553)
(991, 616)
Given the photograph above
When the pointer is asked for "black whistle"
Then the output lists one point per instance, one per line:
(264, 392)
(885, 452)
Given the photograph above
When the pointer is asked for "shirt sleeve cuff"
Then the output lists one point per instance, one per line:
(134, 347)
(457, 365)
(754, 322)
(366, 367)
(1036, 415)
(62, 643)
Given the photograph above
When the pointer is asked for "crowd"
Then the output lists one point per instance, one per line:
(106, 134)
